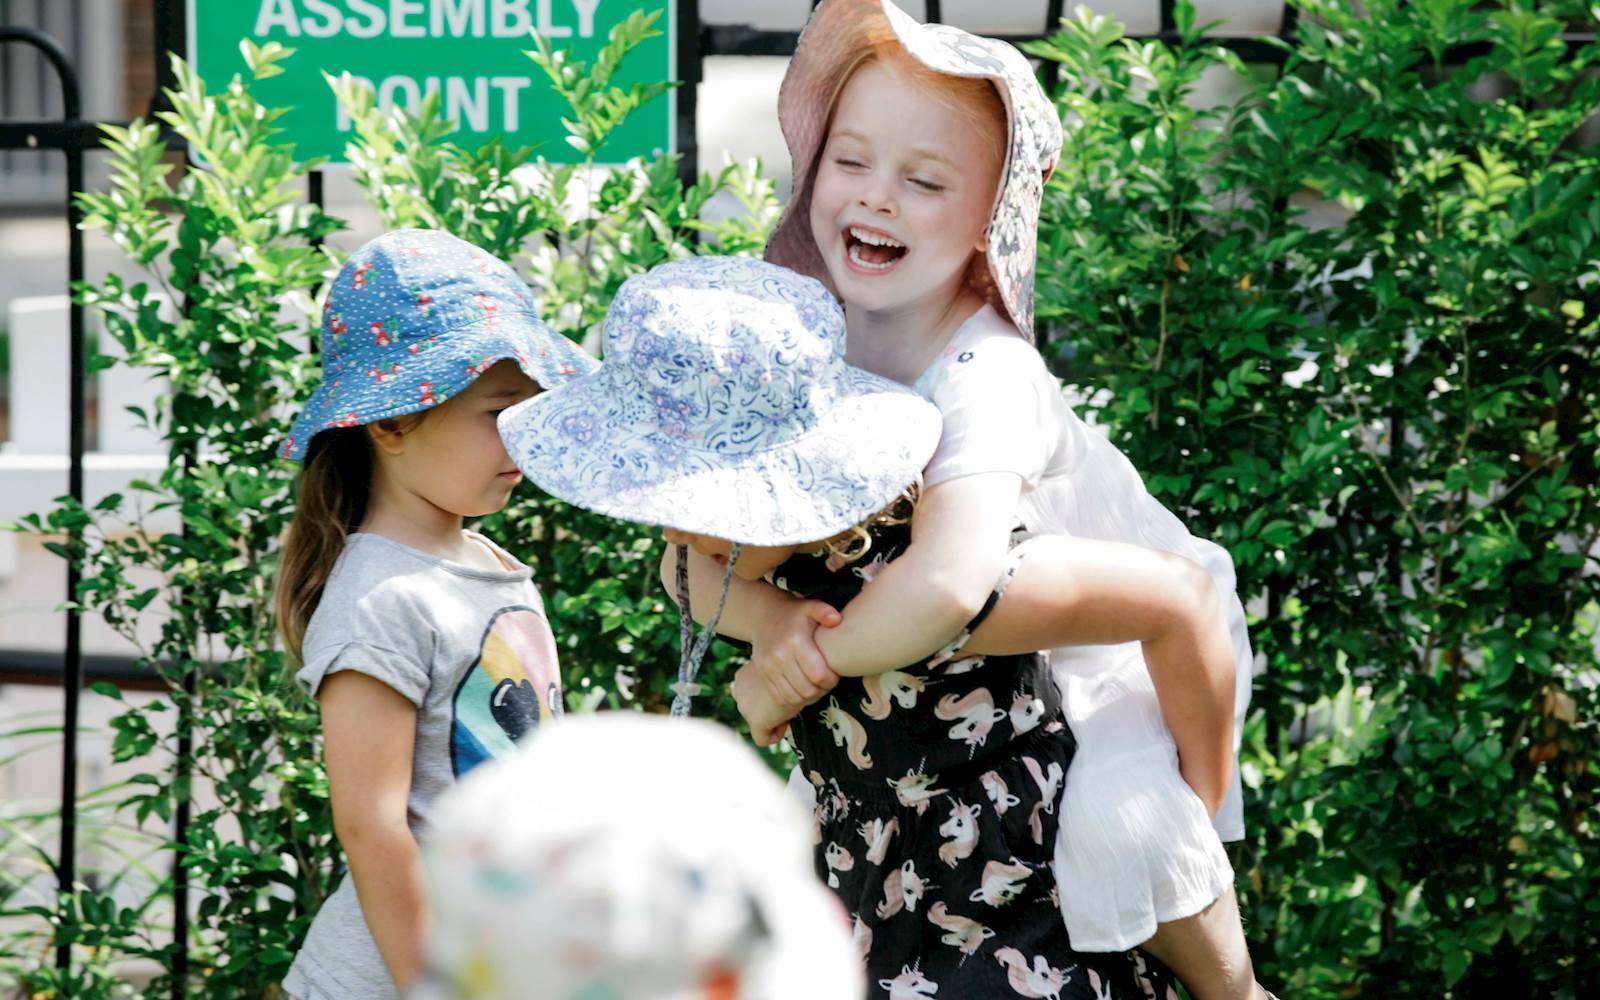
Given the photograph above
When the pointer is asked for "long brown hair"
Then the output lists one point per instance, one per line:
(333, 489)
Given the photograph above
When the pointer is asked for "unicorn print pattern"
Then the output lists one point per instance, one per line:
(935, 820)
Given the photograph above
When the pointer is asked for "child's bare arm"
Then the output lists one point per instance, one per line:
(917, 604)
(749, 602)
(368, 730)
(1076, 591)
(779, 627)
(922, 600)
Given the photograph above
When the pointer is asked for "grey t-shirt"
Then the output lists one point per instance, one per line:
(472, 650)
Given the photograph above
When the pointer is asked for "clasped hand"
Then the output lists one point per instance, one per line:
(787, 670)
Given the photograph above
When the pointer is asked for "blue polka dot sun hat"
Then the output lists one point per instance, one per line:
(411, 319)
(724, 407)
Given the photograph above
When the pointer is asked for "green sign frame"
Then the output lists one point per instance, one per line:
(472, 52)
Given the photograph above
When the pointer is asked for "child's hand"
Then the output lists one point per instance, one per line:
(785, 656)
(767, 720)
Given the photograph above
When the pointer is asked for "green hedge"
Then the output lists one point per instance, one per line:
(1388, 417)
(1387, 413)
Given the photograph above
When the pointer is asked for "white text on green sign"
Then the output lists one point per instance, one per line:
(469, 52)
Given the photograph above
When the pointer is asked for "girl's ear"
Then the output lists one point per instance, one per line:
(388, 436)
(982, 246)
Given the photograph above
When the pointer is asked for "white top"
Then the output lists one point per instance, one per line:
(1004, 412)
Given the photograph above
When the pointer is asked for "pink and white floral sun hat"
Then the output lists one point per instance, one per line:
(833, 42)
(629, 857)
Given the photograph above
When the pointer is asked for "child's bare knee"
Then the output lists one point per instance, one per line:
(1207, 953)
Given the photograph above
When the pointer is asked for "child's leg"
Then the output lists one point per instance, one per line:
(1208, 954)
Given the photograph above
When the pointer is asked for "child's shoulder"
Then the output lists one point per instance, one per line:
(377, 582)
(370, 558)
(371, 563)
(375, 574)
(375, 617)
(991, 328)
(986, 351)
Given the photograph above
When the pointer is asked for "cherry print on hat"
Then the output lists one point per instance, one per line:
(411, 319)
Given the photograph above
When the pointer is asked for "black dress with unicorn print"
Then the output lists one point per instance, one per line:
(935, 820)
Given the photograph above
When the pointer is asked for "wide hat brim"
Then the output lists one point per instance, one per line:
(830, 46)
(587, 444)
(353, 398)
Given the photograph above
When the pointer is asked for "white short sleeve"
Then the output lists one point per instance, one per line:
(989, 388)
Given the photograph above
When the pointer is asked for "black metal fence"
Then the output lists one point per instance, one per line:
(74, 137)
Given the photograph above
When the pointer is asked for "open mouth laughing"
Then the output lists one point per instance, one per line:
(871, 250)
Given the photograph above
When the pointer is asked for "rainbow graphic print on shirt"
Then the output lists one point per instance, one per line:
(513, 687)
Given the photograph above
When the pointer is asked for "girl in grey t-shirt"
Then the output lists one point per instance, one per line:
(425, 644)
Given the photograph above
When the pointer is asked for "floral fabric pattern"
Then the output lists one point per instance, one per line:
(724, 407)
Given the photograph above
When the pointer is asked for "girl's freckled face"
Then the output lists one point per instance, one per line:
(902, 192)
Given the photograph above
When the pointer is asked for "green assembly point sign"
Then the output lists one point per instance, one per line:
(470, 52)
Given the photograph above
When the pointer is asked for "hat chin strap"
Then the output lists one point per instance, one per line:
(692, 648)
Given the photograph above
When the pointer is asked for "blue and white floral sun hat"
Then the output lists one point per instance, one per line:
(724, 407)
(411, 319)
(580, 868)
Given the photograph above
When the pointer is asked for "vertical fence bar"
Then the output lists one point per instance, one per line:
(935, 11)
(182, 787)
(1289, 24)
(72, 654)
(171, 36)
(318, 197)
(690, 72)
(180, 867)
(1052, 23)
(71, 143)
(315, 192)
(72, 682)
(1169, 22)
